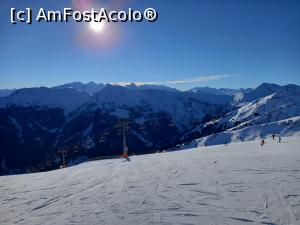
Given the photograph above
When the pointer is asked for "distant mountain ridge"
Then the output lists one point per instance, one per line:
(266, 89)
(90, 87)
(219, 91)
(6, 92)
(45, 97)
(248, 94)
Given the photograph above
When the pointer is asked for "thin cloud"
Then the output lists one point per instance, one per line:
(98, 66)
(200, 79)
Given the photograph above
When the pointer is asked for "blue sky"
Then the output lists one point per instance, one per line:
(215, 43)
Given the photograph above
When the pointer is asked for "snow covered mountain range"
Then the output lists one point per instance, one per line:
(84, 119)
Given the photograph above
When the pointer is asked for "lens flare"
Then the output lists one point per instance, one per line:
(97, 26)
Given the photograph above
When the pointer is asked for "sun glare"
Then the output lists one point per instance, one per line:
(97, 26)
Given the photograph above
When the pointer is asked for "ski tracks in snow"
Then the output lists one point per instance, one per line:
(232, 185)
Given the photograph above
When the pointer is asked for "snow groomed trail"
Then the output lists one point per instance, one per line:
(241, 183)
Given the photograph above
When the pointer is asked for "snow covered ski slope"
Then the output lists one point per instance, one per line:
(241, 183)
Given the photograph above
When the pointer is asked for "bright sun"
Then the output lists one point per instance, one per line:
(96, 26)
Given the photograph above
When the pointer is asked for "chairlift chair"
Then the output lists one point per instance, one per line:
(41, 166)
(101, 140)
(89, 143)
(48, 163)
(76, 149)
(171, 125)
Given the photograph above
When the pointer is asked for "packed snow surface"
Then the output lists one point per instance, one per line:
(241, 183)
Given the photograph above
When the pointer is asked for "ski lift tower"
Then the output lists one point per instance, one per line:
(125, 147)
(124, 124)
(63, 155)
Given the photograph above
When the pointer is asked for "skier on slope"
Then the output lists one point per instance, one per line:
(262, 142)
(273, 136)
(279, 139)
